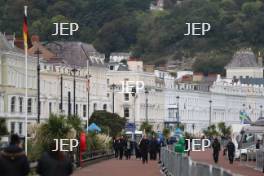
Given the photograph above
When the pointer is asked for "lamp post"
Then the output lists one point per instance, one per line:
(38, 52)
(210, 112)
(133, 93)
(113, 87)
(193, 126)
(178, 112)
(261, 110)
(146, 93)
(74, 70)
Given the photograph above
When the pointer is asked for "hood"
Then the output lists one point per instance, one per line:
(12, 152)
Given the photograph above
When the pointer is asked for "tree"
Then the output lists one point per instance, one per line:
(145, 126)
(166, 133)
(224, 131)
(211, 131)
(108, 122)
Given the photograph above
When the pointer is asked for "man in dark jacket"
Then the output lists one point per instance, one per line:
(115, 147)
(153, 148)
(54, 163)
(231, 151)
(121, 147)
(144, 147)
(13, 161)
(216, 149)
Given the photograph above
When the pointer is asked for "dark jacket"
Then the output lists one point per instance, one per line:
(49, 165)
(13, 162)
(216, 146)
(144, 145)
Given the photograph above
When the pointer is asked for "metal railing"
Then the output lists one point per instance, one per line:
(175, 164)
(260, 160)
(98, 154)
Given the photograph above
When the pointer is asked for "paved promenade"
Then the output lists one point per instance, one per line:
(237, 167)
(120, 168)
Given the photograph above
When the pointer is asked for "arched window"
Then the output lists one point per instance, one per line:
(13, 104)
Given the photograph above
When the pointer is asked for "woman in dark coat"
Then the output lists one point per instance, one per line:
(144, 148)
(231, 151)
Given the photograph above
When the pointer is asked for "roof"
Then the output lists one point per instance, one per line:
(120, 54)
(243, 58)
(6, 46)
(76, 53)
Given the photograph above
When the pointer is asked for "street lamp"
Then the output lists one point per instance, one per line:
(146, 93)
(113, 87)
(261, 110)
(210, 112)
(38, 52)
(178, 111)
(193, 126)
(74, 70)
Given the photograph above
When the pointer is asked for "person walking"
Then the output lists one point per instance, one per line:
(144, 147)
(115, 147)
(54, 163)
(231, 151)
(258, 144)
(128, 146)
(121, 146)
(216, 149)
(13, 161)
(153, 148)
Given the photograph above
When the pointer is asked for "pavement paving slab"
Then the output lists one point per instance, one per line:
(116, 167)
(237, 167)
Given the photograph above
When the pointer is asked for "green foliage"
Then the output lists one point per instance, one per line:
(3, 128)
(129, 25)
(224, 130)
(110, 123)
(218, 130)
(145, 126)
(211, 131)
(166, 133)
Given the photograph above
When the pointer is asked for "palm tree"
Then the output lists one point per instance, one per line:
(225, 131)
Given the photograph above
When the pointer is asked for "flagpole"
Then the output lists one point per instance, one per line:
(88, 96)
(26, 90)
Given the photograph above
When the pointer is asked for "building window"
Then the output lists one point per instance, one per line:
(13, 126)
(29, 109)
(105, 107)
(126, 112)
(94, 106)
(20, 127)
(76, 109)
(126, 96)
(108, 95)
(50, 107)
(13, 104)
(20, 104)
(84, 110)
(111, 67)
(107, 81)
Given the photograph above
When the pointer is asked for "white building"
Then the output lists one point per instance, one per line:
(12, 87)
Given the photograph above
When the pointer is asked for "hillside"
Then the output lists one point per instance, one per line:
(129, 25)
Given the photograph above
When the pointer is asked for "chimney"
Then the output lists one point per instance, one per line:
(35, 38)
(260, 60)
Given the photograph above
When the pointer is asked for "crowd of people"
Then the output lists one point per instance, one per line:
(145, 149)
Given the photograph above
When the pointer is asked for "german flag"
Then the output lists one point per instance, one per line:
(27, 43)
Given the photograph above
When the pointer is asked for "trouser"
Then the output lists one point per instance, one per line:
(116, 153)
(153, 155)
(231, 158)
(216, 156)
(144, 157)
(121, 152)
